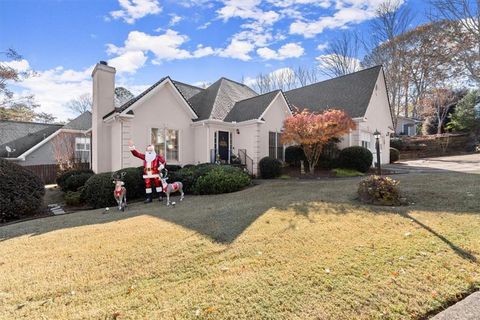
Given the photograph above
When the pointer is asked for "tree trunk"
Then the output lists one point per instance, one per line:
(311, 167)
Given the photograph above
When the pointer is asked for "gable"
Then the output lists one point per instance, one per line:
(147, 95)
(351, 93)
(378, 114)
(251, 109)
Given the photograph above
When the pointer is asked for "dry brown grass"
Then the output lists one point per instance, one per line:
(281, 250)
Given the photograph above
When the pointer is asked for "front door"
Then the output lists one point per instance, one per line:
(223, 145)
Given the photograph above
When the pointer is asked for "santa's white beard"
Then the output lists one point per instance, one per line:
(150, 156)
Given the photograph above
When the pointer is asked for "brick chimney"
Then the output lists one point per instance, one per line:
(103, 102)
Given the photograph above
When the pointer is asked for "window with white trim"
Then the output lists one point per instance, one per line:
(275, 146)
(166, 143)
(82, 149)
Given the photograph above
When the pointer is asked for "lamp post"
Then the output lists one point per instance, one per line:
(377, 134)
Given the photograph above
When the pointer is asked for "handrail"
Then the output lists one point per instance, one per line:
(246, 160)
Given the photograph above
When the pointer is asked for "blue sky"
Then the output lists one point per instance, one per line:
(193, 41)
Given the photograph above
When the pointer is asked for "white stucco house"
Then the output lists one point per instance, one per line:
(192, 125)
(406, 126)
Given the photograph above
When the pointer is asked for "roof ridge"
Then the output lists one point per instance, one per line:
(242, 84)
(339, 77)
(30, 122)
(186, 84)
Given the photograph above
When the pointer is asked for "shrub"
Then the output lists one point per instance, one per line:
(98, 190)
(379, 190)
(235, 160)
(293, 155)
(73, 198)
(173, 167)
(188, 175)
(21, 191)
(357, 158)
(394, 155)
(62, 178)
(340, 172)
(76, 181)
(270, 168)
(222, 179)
(397, 143)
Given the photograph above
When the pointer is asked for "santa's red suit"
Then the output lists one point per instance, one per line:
(152, 164)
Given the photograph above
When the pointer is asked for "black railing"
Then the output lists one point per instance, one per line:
(246, 160)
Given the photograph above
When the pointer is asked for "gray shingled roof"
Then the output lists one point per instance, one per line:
(216, 101)
(82, 122)
(351, 93)
(22, 136)
(251, 108)
(187, 90)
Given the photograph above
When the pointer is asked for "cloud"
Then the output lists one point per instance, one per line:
(135, 9)
(347, 12)
(322, 46)
(247, 9)
(175, 19)
(238, 49)
(281, 73)
(289, 50)
(19, 65)
(128, 62)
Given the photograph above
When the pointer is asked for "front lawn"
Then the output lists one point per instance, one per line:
(293, 249)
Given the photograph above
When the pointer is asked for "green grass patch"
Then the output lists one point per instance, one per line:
(341, 172)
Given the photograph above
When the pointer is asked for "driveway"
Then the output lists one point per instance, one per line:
(465, 163)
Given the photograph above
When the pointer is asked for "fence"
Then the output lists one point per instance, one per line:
(48, 172)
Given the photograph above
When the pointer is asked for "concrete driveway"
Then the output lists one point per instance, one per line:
(465, 163)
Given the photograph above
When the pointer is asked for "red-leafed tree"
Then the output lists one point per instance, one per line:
(312, 131)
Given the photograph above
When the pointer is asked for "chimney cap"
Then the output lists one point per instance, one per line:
(103, 62)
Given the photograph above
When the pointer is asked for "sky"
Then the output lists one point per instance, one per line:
(193, 41)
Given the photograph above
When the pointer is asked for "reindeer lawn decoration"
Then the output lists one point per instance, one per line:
(169, 188)
(120, 192)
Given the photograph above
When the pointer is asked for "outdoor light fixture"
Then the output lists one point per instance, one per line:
(238, 131)
(377, 135)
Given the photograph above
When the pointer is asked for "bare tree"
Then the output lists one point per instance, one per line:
(80, 104)
(341, 56)
(465, 14)
(438, 102)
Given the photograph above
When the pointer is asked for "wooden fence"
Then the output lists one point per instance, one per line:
(48, 172)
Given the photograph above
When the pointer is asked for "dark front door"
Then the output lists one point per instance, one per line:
(223, 146)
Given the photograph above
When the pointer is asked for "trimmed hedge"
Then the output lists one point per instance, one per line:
(397, 143)
(357, 158)
(394, 155)
(293, 155)
(62, 178)
(222, 179)
(76, 181)
(21, 192)
(73, 198)
(270, 168)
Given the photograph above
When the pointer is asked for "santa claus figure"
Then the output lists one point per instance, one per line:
(152, 166)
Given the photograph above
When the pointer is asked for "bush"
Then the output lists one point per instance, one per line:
(73, 198)
(188, 175)
(270, 168)
(329, 156)
(98, 190)
(21, 191)
(62, 178)
(293, 155)
(379, 190)
(222, 179)
(357, 158)
(397, 143)
(394, 155)
(173, 167)
(76, 181)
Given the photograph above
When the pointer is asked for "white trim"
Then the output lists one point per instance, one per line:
(116, 115)
(152, 92)
(224, 123)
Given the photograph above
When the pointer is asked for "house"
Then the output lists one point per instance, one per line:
(406, 126)
(191, 125)
(40, 146)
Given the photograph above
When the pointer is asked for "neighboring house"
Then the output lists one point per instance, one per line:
(40, 146)
(191, 125)
(406, 126)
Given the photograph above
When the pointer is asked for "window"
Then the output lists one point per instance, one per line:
(366, 144)
(275, 146)
(82, 149)
(166, 143)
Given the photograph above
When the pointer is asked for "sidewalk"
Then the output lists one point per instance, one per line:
(467, 309)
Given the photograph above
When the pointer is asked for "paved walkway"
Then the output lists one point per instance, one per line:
(467, 309)
(466, 163)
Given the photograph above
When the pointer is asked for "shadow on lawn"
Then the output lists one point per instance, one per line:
(223, 218)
